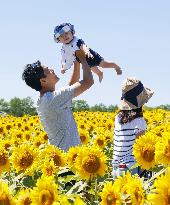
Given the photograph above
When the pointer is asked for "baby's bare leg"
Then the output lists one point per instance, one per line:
(98, 72)
(106, 64)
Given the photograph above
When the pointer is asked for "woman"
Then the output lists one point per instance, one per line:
(129, 124)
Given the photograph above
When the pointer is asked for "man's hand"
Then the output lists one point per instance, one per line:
(86, 50)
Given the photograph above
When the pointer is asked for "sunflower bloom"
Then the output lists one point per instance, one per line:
(162, 149)
(91, 162)
(48, 168)
(72, 154)
(100, 141)
(160, 191)
(5, 194)
(53, 153)
(23, 197)
(110, 195)
(134, 188)
(45, 192)
(25, 159)
(4, 161)
(144, 150)
(84, 136)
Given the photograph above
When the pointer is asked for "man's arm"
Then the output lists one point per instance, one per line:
(76, 73)
(87, 81)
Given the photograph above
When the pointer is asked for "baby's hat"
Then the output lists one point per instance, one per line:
(61, 29)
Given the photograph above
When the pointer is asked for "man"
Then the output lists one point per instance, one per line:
(54, 106)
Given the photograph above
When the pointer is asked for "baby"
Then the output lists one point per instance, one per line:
(65, 34)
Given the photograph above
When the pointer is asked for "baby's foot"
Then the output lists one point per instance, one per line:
(118, 71)
(100, 76)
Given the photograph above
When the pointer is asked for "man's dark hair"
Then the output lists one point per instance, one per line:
(129, 115)
(32, 74)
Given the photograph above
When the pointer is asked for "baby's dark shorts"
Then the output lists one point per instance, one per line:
(95, 61)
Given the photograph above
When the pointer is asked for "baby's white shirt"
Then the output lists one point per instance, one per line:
(68, 53)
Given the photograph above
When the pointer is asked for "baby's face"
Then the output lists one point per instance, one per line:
(66, 37)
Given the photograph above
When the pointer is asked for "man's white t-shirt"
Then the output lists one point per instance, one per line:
(124, 139)
(54, 110)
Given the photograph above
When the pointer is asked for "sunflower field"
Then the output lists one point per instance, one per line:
(33, 172)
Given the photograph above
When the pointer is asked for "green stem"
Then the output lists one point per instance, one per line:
(96, 191)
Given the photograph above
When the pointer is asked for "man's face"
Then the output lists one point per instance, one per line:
(51, 78)
(66, 37)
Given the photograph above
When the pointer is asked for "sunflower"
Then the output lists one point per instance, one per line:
(27, 136)
(51, 152)
(6, 144)
(64, 200)
(144, 150)
(100, 141)
(25, 158)
(2, 129)
(134, 188)
(91, 162)
(84, 136)
(108, 136)
(162, 149)
(5, 194)
(121, 181)
(48, 168)
(23, 197)
(110, 195)
(72, 154)
(160, 192)
(38, 141)
(45, 192)
(4, 161)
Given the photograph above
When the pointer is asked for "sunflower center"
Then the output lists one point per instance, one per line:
(57, 160)
(45, 137)
(49, 171)
(111, 200)
(100, 142)
(27, 137)
(148, 155)
(7, 146)
(27, 201)
(26, 160)
(74, 157)
(4, 200)
(1, 130)
(83, 138)
(47, 198)
(168, 200)
(109, 126)
(138, 195)
(8, 127)
(167, 151)
(92, 164)
(82, 126)
(3, 159)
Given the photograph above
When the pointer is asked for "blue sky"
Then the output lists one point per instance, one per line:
(134, 34)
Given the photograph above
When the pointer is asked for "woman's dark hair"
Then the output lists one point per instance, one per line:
(32, 74)
(129, 115)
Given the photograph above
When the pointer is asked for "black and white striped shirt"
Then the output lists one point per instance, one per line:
(124, 138)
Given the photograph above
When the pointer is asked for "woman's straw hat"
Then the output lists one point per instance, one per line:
(134, 94)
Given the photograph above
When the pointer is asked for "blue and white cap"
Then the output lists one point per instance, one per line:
(61, 29)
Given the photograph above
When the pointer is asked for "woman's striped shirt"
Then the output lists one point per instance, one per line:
(124, 138)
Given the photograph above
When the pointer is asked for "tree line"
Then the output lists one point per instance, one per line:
(19, 107)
